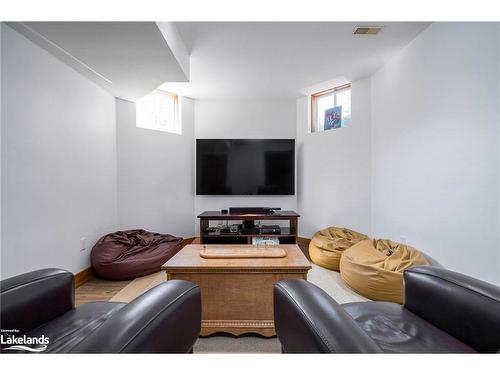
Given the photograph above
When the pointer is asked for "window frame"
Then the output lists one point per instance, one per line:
(176, 102)
(314, 104)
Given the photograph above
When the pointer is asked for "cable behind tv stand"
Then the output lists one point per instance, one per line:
(288, 234)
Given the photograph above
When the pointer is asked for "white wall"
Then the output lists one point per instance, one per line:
(334, 169)
(498, 97)
(244, 118)
(1, 131)
(58, 160)
(435, 132)
(155, 174)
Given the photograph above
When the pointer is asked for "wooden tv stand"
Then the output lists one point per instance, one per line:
(288, 234)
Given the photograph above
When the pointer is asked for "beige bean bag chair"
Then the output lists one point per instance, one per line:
(327, 246)
(374, 268)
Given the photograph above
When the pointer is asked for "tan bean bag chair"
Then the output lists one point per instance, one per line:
(374, 268)
(327, 246)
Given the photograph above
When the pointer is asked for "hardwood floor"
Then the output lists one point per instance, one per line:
(96, 289)
(304, 246)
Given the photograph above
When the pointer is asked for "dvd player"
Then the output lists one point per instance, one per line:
(270, 229)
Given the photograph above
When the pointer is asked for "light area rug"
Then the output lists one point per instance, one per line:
(327, 280)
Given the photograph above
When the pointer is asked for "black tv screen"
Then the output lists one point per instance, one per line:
(245, 166)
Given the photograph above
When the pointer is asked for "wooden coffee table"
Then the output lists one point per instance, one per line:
(236, 293)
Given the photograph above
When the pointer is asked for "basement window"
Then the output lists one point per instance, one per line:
(159, 110)
(331, 109)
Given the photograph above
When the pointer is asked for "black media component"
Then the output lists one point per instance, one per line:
(270, 229)
(249, 226)
(253, 210)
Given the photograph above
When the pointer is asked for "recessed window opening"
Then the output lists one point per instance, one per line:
(159, 110)
(331, 109)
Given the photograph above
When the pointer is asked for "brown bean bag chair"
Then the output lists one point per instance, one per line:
(327, 246)
(374, 268)
(132, 253)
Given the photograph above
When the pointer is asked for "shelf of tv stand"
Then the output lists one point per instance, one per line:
(277, 215)
(287, 234)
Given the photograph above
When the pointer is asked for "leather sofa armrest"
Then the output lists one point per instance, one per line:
(165, 319)
(464, 307)
(307, 320)
(34, 298)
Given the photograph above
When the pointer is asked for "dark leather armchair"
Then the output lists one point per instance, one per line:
(165, 319)
(443, 312)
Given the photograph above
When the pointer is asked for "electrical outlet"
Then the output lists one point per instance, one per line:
(402, 239)
(83, 244)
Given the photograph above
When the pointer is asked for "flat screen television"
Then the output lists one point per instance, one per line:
(245, 166)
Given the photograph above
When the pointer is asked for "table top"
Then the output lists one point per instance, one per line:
(189, 258)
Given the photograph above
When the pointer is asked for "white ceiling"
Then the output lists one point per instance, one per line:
(227, 59)
(271, 59)
(129, 59)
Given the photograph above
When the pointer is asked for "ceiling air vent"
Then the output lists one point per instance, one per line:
(367, 30)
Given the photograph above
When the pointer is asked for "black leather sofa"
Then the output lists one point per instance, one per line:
(165, 319)
(443, 312)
